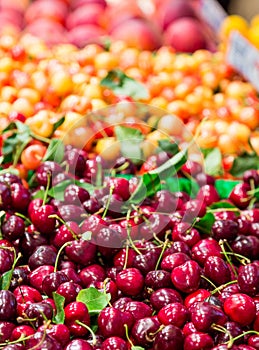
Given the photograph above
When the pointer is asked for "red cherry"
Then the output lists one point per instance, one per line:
(240, 308)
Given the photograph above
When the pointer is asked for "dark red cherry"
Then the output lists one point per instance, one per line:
(239, 195)
(204, 315)
(197, 341)
(193, 208)
(232, 330)
(186, 277)
(120, 186)
(6, 260)
(47, 169)
(189, 328)
(71, 212)
(138, 309)
(158, 279)
(169, 262)
(185, 233)
(240, 308)
(47, 342)
(23, 330)
(52, 281)
(165, 201)
(65, 233)
(13, 228)
(36, 276)
(75, 162)
(120, 258)
(77, 311)
(81, 252)
(144, 330)
(75, 195)
(114, 343)
(92, 273)
(78, 344)
(30, 241)
(111, 322)
(6, 329)
(42, 255)
(7, 305)
(92, 205)
(108, 237)
(170, 337)
(40, 217)
(39, 312)
(248, 279)
(205, 248)
(20, 197)
(191, 168)
(251, 177)
(225, 229)
(217, 270)
(69, 290)
(198, 295)
(253, 341)
(204, 179)
(5, 196)
(175, 314)
(164, 296)
(247, 246)
(59, 332)
(130, 281)
(208, 194)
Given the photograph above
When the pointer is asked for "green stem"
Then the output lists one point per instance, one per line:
(55, 216)
(126, 257)
(89, 329)
(161, 254)
(231, 341)
(221, 243)
(209, 281)
(40, 138)
(47, 188)
(108, 202)
(218, 289)
(128, 234)
(59, 252)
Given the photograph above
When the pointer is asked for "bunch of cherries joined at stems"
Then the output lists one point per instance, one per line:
(172, 272)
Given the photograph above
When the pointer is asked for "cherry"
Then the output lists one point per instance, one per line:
(47, 169)
(248, 279)
(121, 303)
(125, 163)
(8, 305)
(217, 270)
(77, 311)
(197, 341)
(205, 248)
(146, 262)
(6, 329)
(30, 241)
(130, 281)
(193, 208)
(144, 330)
(247, 246)
(92, 273)
(239, 195)
(170, 337)
(69, 290)
(186, 277)
(177, 247)
(108, 237)
(75, 195)
(158, 279)
(232, 330)
(66, 233)
(204, 179)
(13, 228)
(59, 332)
(169, 262)
(45, 341)
(81, 252)
(138, 309)
(251, 177)
(92, 205)
(71, 212)
(20, 197)
(107, 286)
(164, 296)
(165, 201)
(191, 168)
(40, 217)
(6, 260)
(17, 346)
(174, 313)
(75, 162)
(120, 187)
(5, 196)
(240, 308)
(42, 255)
(198, 295)
(23, 330)
(183, 232)
(208, 194)
(52, 281)
(9, 178)
(78, 344)
(38, 312)
(228, 290)
(225, 229)
(36, 276)
(189, 328)
(120, 258)
(111, 322)
(114, 343)
(253, 341)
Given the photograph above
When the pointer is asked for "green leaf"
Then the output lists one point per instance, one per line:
(55, 151)
(222, 204)
(213, 162)
(244, 162)
(87, 235)
(204, 224)
(150, 182)
(5, 280)
(188, 185)
(130, 143)
(121, 84)
(136, 348)
(59, 301)
(168, 146)
(224, 187)
(58, 123)
(95, 300)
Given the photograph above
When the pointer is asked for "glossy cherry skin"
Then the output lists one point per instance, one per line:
(23, 330)
(204, 315)
(164, 296)
(5, 196)
(13, 228)
(36, 276)
(120, 187)
(197, 341)
(47, 342)
(75, 195)
(183, 232)
(18, 346)
(39, 311)
(144, 330)
(47, 170)
(158, 279)
(77, 311)
(254, 341)
(60, 332)
(170, 261)
(6, 260)
(6, 329)
(111, 322)
(69, 290)
(233, 329)
(114, 343)
(165, 201)
(66, 233)
(217, 270)
(81, 252)
(120, 258)
(42, 255)
(198, 295)
(52, 281)
(239, 195)
(138, 309)
(40, 217)
(78, 344)
(92, 273)
(20, 197)
(248, 279)
(8, 305)
(240, 308)
(175, 314)
(225, 229)
(205, 248)
(186, 277)
(169, 338)
(208, 194)
(247, 246)
(130, 281)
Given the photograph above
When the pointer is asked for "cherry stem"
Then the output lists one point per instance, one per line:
(232, 340)
(209, 281)
(55, 216)
(127, 335)
(126, 257)
(222, 329)
(58, 254)
(22, 338)
(242, 259)
(41, 341)
(161, 254)
(25, 218)
(108, 202)
(89, 329)
(221, 243)
(218, 289)
(128, 227)
(47, 188)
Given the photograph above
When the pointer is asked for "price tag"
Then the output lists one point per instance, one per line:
(212, 13)
(244, 57)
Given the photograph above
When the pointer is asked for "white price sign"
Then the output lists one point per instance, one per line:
(244, 57)
(213, 13)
